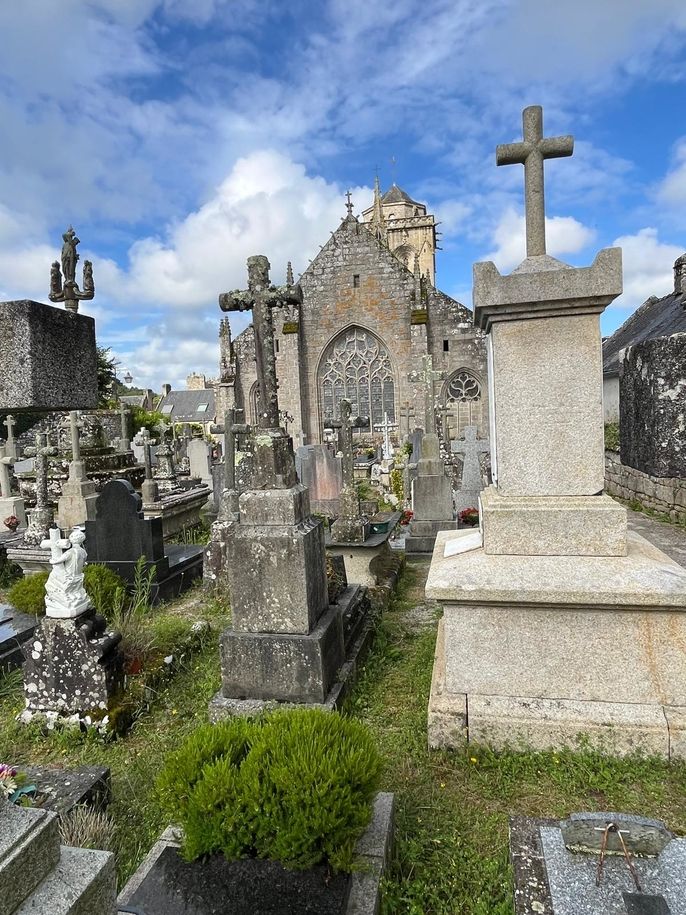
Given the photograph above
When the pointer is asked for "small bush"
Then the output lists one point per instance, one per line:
(612, 436)
(295, 787)
(28, 594)
(102, 585)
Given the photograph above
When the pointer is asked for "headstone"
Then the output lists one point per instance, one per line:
(199, 457)
(469, 448)
(41, 517)
(321, 470)
(10, 444)
(546, 613)
(386, 426)
(165, 473)
(432, 499)
(350, 526)
(143, 442)
(120, 535)
(11, 505)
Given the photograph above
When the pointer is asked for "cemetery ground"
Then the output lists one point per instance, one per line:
(451, 836)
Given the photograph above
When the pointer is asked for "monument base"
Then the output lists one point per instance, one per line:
(552, 525)
(549, 651)
(13, 505)
(76, 504)
(421, 535)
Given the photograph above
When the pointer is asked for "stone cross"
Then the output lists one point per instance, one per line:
(41, 516)
(531, 153)
(448, 412)
(469, 448)
(349, 202)
(427, 376)
(230, 429)
(261, 297)
(166, 472)
(11, 445)
(406, 414)
(70, 293)
(149, 490)
(55, 543)
(386, 427)
(345, 426)
(76, 469)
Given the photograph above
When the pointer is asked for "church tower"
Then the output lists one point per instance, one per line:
(405, 226)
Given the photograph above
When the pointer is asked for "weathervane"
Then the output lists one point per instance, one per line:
(69, 293)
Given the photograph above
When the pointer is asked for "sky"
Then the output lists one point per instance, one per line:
(181, 136)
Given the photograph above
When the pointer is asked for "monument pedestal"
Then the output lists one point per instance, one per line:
(13, 505)
(542, 651)
(76, 504)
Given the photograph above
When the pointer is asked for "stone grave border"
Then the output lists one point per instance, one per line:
(373, 852)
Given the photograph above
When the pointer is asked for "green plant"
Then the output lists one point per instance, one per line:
(295, 786)
(141, 417)
(104, 588)
(612, 436)
(9, 573)
(11, 683)
(397, 485)
(28, 594)
(142, 585)
(84, 827)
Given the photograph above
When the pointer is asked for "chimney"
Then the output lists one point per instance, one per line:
(166, 389)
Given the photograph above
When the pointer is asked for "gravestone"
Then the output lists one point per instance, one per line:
(545, 615)
(198, 451)
(349, 526)
(469, 448)
(320, 469)
(592, 863)
(77, 502)
(432, 499)
(10, 443)
(10, 504)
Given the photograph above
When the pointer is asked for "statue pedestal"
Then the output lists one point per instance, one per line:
(72, 666)
(13, 505)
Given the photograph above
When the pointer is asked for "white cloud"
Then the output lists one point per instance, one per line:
(564, 235)
(672, 188)
(648, 267)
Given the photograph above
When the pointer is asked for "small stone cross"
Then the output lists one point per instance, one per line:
(531, 153)
(231, 430)
(10, 422)
(55, 543)
(427, 376)
(386, 427)
(143, 440)
(469, 448)
(406, 414)
(349, 203)
(5, 476)
(261, 297)
(42, 451)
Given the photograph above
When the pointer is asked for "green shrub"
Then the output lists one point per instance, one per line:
(398, 485)
(612, 436)
(102, 585)
(295, 787)
(28, 594)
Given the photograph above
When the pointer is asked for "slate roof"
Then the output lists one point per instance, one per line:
(133, 400)
(185, 406)
(396, 194)
(655, 318)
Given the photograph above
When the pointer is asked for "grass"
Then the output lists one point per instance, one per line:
(451, 852)
(451, 841)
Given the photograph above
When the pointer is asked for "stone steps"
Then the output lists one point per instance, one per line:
(40, 877)
(82, 883)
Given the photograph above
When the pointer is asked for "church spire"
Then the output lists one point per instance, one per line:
(377, 224)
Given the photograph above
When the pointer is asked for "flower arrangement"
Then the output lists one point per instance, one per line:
(470, 517)
(407, 516)
(13, 785)
(11, 522)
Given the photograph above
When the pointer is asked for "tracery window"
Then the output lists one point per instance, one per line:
(462, 403)
(357, 366)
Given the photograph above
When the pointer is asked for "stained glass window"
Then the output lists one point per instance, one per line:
(357, 366)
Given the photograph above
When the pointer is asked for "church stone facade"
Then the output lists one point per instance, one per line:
(370, 313)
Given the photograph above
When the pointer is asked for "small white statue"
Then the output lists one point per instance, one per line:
(65, 596)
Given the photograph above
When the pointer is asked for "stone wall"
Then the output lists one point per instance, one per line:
(661, 494)
(652, 404)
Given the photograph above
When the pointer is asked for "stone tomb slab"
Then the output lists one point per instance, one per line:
(15, 629)
(555, 872)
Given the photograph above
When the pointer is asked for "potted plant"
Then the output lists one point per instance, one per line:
(469, 517)
(11, 522)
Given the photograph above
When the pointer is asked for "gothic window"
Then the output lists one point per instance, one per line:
(357, 366)
(462, 403)
(405, 253)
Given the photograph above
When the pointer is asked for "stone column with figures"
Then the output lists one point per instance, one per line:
(41, 517)
(553, 601)
(63, 285)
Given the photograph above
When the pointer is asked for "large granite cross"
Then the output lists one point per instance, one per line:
(530, 153)
(261, 297)
(427, 376)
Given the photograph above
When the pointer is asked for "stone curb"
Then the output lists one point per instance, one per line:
(373, 850)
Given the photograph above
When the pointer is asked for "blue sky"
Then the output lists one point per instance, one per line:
(181, 136)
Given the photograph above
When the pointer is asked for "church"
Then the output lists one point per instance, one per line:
(371, 313)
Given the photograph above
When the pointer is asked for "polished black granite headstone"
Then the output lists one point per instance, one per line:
(15, 629)
(215, 886)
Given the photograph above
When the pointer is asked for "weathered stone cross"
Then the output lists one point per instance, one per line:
(427, 376)
(124, 413)
(406, 414)
(76, 469)
(231, 430)
(386, 427)
(469, 448)
(261, 297)
(143, 440)
(531, 154)
(41, 516)
(345, 426)
(5, 476)
(11, 445)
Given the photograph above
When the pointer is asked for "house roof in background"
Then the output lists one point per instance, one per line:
(187, 406)
(655, 318)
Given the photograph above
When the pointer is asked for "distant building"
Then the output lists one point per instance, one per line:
(657, 317)
(146, 400)
(188, 407)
